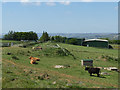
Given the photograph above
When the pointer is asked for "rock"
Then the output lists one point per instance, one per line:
(8, 72)
(8, 53)
(69, 84)
(67, 66)
(13, 79)
(29, 52)
(30, 71)
(58, 66)
(54, 82)
(104, 73)
(42, 76)
(79, 82)
(105, 68)
(46, 76)
(112, 68)
(34, 71)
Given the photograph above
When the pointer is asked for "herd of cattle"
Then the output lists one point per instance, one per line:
(91, 70)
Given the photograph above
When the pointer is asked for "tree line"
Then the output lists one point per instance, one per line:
(74, 41)
(112, 41)
(45, 37)
(20, 36)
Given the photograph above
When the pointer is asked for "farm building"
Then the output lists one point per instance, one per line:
(96, 43)
(87, 62)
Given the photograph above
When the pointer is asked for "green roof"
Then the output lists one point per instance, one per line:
(87, 59)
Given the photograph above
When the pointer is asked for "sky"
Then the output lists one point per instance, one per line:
(60, 17)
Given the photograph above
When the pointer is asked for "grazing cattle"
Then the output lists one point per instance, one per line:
(93, 70)
(33, 61)
(34, 58)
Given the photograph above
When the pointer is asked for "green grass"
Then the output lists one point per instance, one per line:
(115, 46)
(6, 41)
(19, 73)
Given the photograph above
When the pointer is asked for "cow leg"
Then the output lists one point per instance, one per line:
(90, 74)
(98, 74)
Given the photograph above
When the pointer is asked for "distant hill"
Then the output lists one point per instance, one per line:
(112, 36)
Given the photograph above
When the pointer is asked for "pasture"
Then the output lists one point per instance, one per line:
(17, 72)
(7, 41)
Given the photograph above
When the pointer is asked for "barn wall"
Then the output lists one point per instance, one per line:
(101, 44)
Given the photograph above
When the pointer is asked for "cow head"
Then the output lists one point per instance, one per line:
(30, 57)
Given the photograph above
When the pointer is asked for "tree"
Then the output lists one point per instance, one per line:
(9, 36)
(21, 36)
(73, 41)
(44, 37)
(52, 38)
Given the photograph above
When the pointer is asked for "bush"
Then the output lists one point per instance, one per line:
(109, 58)
(20, 52)
(14, 57)
(8, 53)
(60, 52)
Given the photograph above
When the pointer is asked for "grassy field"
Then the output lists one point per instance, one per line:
(115, 46)
(6, 41)
(19, 73)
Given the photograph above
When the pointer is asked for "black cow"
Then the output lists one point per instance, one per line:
(93, 70)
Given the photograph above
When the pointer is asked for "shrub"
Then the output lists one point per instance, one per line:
(8, 53)
(14, 57)
(109, 58)
(60, 52)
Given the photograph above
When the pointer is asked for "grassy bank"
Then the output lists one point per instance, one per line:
(19, 73)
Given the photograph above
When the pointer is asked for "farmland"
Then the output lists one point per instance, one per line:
(19, 73)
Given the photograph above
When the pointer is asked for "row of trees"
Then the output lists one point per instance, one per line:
(45, 37)
(21, 36)
(112, 41)
(74, 41)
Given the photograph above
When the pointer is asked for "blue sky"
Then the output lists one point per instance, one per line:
(74, 17)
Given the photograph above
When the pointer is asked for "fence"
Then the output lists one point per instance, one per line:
(8, 44)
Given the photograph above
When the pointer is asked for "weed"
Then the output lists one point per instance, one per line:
(15, 57)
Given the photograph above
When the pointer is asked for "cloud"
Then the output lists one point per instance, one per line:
(38, 3)
(50, 4)
(65, 2)
(4, 1)
(27, 2)
(116, 7)
(24, 1)
(87, 0)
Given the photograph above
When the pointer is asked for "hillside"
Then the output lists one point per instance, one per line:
(19, 73)
(112, 36)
